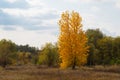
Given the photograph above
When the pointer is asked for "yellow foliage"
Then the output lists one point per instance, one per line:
(24, 57)
(72, 40)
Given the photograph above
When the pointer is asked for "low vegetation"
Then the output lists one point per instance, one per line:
(30, 72)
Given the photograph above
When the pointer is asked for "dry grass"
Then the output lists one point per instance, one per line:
(44, 73)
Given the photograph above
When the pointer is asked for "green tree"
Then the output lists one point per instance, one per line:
(49, 55)
(7, 52)
(116, 51)
(106, 48)
(94, 35)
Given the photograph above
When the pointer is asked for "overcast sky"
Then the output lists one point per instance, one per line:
(34, 22)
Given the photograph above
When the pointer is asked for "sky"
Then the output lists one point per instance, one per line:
(35, 22)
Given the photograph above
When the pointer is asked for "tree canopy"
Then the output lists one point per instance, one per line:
(72, 40)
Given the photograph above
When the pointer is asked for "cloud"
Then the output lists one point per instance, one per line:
(8, 27)
(6, 19)
(11, 1)
(95, 9)
(36, 3)
(86, 1)
(31, 12)
(105, 23)
(36, 17)
(89, 20)
(117, 4)
(13, 4)
(32, 18)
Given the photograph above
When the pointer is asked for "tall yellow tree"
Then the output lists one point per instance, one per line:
(72, 41)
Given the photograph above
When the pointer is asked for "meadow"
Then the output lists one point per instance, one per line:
(31, 72)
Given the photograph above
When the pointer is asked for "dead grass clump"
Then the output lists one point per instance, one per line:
(40, 73)
(1, 68)
(110, 69)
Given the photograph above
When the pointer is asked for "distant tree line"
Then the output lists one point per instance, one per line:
(27, 54)
(103, 50)
(13, 54)
(27, 48)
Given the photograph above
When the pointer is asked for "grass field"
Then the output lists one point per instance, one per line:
(44, 73)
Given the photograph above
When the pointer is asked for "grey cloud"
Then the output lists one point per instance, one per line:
(17, 4)
(34, 23)
(6, 20)
(47, 16)
(9, 28)
(29, 23)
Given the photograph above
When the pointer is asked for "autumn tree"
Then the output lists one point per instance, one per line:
(72, 41)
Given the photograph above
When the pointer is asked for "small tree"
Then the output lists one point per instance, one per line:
(72, 40)
(23, 57)
(49, 55)
(7, 52)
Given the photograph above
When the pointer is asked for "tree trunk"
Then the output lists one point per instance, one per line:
(73, 67)
(74, 63)
(4, 64)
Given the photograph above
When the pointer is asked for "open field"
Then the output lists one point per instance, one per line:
(44, 73)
